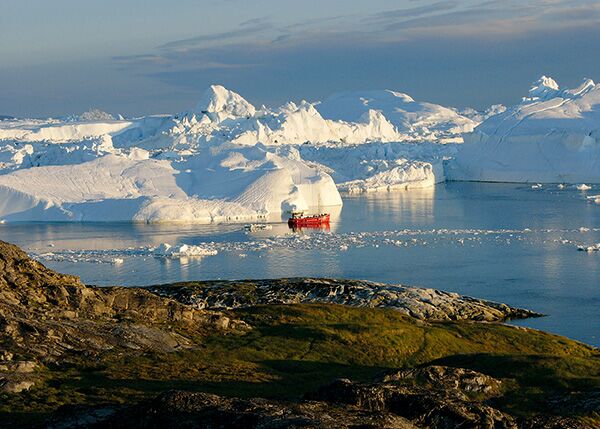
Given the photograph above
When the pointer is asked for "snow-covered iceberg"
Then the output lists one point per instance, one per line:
(224, 159)
(227, 185)
(375, 167)
(553, 135)
(418, 121)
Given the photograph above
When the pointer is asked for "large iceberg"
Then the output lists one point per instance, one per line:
(374, 167)
(222, 160)
(213, 185)
(552, 136)
(419, 121)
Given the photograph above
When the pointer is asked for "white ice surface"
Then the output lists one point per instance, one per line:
(553, 135)
(223, 160)
(227, 185)
(226, 160)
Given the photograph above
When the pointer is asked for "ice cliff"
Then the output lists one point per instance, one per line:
(552, 135)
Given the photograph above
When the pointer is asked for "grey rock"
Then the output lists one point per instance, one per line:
(421, 303)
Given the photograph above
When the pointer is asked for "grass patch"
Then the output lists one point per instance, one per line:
(293, 349)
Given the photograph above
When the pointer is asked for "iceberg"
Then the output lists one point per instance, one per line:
(551, 136)
(376, 167)
(419, 121)
(225, 160)
(233, 184)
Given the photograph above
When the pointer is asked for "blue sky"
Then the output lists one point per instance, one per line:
(138, 57)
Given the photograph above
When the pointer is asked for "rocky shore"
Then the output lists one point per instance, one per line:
(420, 303)
(315, 353)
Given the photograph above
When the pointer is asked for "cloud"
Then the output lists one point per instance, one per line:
(254, 21)
(139, 59)
(307, 23)
(469, 17)
(259, 43)
(459, 17)
(497, 17)
(575, 14)
(413, 12)
(246, 29)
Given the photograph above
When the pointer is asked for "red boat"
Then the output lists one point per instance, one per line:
(299, 220)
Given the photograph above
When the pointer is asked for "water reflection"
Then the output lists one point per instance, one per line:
(415, 206)
(39, 237)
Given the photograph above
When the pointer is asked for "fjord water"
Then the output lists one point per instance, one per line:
(502, 242)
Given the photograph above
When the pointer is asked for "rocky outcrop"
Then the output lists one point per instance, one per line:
(431, 397)
(53, 328)
(50, 316)
(424, 304)
(202, 410)
(27, 286)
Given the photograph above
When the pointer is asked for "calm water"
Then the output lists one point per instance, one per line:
(508, 243)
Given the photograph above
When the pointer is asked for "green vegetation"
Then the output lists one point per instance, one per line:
(294, 349)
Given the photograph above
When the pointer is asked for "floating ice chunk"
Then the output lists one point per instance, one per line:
(164, 249)
(561, 186)
(590, 248)
(583, 187)
(185, 250)
(258, 227)
(583, 229)
(537, 186)
(594, 198)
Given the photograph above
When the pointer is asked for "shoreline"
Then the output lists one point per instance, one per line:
(272, 352)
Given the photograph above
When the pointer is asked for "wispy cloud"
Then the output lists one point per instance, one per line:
(436, 7)
(251, 43)
(255, 21)
(245, 30)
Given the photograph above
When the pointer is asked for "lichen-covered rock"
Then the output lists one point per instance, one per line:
(15, 386)
(47, 315)
(424, 304)
(431, 397)
(461, 381)
(202, 410)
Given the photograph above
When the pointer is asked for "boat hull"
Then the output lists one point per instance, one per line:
(309, 221)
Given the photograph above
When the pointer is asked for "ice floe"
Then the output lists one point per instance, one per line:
(332, 242)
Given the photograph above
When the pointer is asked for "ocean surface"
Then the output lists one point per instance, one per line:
(503, 242)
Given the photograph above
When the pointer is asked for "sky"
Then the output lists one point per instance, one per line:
(138, 57)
